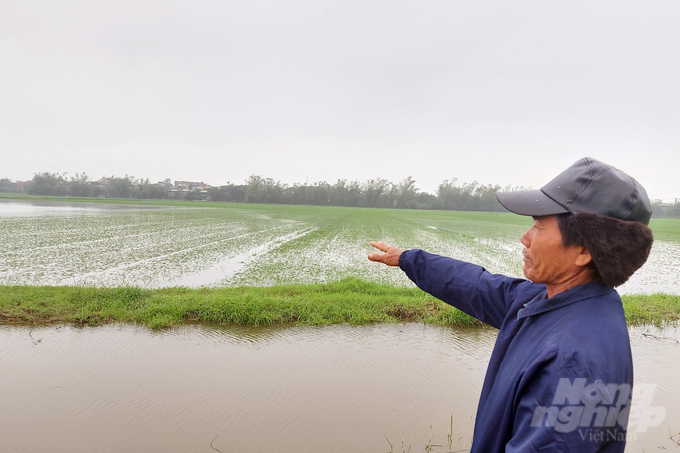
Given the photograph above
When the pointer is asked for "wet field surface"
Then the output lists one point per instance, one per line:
(306, 389)
(151, 246)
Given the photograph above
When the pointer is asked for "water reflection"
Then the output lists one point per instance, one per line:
(304, 389)
(51, 208)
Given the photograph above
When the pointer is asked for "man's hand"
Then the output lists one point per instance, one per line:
(390, 257)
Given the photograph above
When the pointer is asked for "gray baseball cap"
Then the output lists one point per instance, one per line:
(587, 186)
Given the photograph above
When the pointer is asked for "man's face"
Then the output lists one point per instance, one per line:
(545, 259)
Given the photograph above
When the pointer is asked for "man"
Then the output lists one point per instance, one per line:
(560, 376)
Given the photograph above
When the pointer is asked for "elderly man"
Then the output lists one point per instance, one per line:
(561, 373)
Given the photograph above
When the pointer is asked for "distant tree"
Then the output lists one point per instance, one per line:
(426, 201)
(344, 193)
(320, 193)
(299, 194)
(406, 194)
(218, 193)
(6, 185)
(487, 198)
(374, 190)
(355, 194)
(229, 192)
(274, 191)
(377, 192)
(46, 184)
(146, 190)
(338, 195)
(254, 189)
(448, 194)
(388, 199)
(665, 210)
(121, 187)
(237, 193)
(675, 210)
(193, 195)
(81, 186)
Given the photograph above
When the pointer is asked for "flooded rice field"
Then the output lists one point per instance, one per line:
(264, 389)
(111, 245)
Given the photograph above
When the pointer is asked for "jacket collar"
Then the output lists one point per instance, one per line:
(541, 304)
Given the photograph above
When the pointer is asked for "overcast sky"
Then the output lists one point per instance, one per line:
(503, 92)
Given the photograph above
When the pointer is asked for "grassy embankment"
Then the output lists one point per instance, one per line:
(349, 301)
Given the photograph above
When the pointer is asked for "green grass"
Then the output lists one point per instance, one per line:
(657, 309)
(666, 229)
(349, 301)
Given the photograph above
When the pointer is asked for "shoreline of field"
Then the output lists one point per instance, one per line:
(349, 301)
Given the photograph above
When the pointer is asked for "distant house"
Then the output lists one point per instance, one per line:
(666, 203)
(191, 185)
(669, 207)
(182, 187)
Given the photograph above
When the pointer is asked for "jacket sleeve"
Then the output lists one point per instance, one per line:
(468, 287)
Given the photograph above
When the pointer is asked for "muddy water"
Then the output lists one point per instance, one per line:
(201, 389)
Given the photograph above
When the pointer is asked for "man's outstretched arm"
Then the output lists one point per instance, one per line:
(466, 286)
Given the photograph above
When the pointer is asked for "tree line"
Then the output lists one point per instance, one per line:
(80, 185)
(374, 193)
(666, 210)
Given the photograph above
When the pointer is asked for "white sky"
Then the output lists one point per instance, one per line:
(495, 91)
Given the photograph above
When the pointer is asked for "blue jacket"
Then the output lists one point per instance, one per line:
(560, 375)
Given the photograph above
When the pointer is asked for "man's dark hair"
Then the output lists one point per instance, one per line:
(618, 247)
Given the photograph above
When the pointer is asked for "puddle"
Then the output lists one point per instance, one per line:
(226, 269)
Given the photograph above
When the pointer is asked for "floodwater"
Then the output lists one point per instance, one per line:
(266, 389)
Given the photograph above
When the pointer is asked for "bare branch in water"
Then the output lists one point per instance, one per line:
(32, 339)
(649, 335)
(211, 443)
(388, 441)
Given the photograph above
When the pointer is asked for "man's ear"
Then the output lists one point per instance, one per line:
(583, 257)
